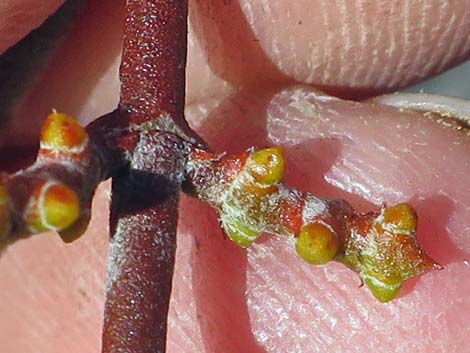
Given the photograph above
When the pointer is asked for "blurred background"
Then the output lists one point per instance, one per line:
(455, 82)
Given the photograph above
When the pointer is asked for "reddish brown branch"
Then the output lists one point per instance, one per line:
(55, 192)
(140, 273)
(144, 215)
(144, 203)
(154, 59)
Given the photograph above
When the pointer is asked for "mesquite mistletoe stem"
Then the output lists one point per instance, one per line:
(148, 149)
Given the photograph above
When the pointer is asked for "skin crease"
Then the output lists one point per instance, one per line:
(267, 300)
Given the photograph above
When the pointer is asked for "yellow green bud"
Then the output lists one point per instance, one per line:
(317, 243)
(267, 165)
(61, 206)
(401, 216)
(239, 233)
(77, 229)
(53, 206)
(383, 291)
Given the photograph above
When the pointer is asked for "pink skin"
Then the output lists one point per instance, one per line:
(268, 300)
(18, 17)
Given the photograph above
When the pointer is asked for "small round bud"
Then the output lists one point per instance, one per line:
(267, 165)
(53, 206)
(383, 291)
(76, 230)
(239, 233)
(402, 216)
(62, 132)
(317, 243)
(61, 206)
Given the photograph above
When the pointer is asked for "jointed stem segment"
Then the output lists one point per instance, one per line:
(247, 190)
(151, 153)
(55, 192)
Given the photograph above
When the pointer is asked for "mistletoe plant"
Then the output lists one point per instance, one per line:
(148, 149)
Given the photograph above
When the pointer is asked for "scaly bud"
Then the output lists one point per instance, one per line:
(237, 224)
(383, 291)
(62, 133)
(381, 245)
(77, 229)
(52, 206)
(384, 250)
(267, 165)
(401, 217)
(238, 232)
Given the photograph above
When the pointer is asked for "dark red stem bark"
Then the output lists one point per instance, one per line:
(142, 249)
(142, 254)
(154, 59)
(145, 194)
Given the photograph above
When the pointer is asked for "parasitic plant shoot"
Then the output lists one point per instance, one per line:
(152, 155)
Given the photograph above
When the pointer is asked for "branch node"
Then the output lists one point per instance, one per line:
(248, 191)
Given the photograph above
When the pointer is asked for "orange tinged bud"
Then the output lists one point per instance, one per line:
(53, 206)
(317, 243)
(62, 132)
(402, 217)
(267, 165)
(61, 206)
